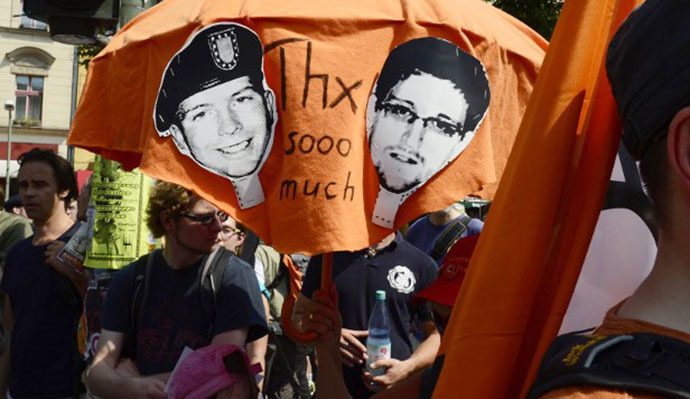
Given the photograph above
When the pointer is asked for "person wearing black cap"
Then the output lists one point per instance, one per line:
(215, 104)
(14, 205)
(427, 105)
(642, 347)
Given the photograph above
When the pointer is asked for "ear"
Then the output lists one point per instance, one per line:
(678, 146)
(63, 194)
(167, 221)
(271, 105)
(179, 139)
(240, 239)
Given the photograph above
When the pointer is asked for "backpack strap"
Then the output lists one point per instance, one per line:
(142, 285)
(251, 242)
(449, 236)
(210, 282)
(639, 362)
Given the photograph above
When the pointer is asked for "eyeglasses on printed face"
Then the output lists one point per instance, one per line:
(207, 218)
(406, 114)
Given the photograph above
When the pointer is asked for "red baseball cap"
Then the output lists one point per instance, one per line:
(203, 373)
(445, 289)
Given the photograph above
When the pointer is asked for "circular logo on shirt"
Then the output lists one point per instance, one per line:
(401, 279)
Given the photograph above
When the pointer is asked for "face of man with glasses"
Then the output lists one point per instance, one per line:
(416, 130)
(197, 228)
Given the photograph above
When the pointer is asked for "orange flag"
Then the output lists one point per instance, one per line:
(529, 256)
(302, 157)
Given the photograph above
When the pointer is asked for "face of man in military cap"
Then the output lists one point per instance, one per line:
(225, 128)
(416, 130)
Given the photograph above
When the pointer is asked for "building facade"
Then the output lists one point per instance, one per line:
(39, 75)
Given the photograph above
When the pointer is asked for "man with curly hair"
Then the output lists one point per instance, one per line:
(147, 324)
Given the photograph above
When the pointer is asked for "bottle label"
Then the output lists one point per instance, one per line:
(377, 351)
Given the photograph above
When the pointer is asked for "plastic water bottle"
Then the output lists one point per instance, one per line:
(379, 340)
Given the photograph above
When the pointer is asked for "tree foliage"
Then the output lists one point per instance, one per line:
(87, 52)
(540, 15)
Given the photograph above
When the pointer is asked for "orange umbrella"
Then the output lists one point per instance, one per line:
(528, 259)
(313, 186)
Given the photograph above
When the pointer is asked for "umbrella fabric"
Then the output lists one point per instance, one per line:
(321, 60)
(530, 252)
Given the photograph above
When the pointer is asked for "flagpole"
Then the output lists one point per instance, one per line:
(9, 106)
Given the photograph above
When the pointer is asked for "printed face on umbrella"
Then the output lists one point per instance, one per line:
(215, 103)
(226, 127)
(423, 112)
(416, 130)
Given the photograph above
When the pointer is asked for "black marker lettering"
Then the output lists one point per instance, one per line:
(281, 42)
(308, 77)
(314, 192)
(283, 84)
(349, 147)
(287, 185)
(311, 143)
(292, 142)
(325, 190)
(349, 187)
(322, 140)
(347, 92)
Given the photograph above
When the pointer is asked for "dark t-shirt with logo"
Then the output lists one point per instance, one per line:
(400, 269)
(174, 317)
(44, 343)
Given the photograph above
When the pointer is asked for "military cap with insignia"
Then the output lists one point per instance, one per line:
(216, 54)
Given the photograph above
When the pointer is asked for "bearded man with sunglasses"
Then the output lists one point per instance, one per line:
(140, 345)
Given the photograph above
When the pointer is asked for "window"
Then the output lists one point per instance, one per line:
(29, 23)
(29, 100)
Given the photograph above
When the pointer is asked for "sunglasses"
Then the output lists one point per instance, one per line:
(227, 233)
(207, 218)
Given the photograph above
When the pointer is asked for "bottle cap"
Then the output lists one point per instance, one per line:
(380, 295)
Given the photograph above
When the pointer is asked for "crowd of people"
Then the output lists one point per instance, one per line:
(212, 285)
(201, 317)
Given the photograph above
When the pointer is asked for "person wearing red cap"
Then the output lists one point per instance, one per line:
(442, 292)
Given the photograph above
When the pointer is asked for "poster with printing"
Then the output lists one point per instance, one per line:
(119, 199)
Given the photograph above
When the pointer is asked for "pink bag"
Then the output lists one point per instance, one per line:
(203, 373)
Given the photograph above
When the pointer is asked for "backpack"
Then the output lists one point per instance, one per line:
(641, 362)
(211, 277)
(449, 236)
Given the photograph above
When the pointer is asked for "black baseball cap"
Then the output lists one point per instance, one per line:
(648, 65)
(15, 201)
(216, 54)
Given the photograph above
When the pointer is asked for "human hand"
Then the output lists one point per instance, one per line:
(319, 314)
(396, 371)
(127, 368)
(238, 390)
(352, 350)
(146, 388)
(329, 299)
(51, 253)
